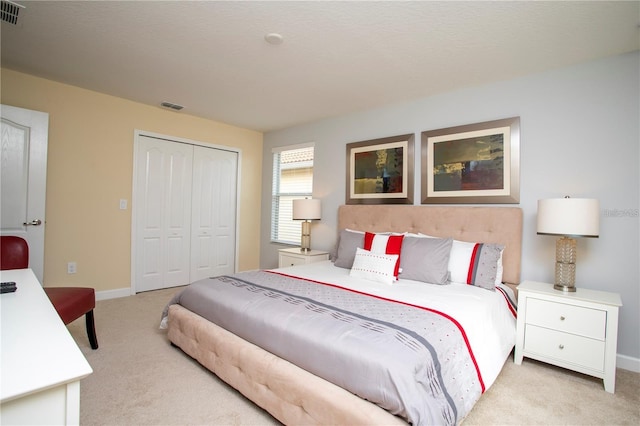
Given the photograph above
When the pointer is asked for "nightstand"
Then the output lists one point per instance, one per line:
(578, 331)
(293, 256)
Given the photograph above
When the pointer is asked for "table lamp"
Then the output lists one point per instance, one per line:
(306, 209)
(568, 218)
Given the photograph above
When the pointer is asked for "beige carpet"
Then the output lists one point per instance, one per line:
(140, 379)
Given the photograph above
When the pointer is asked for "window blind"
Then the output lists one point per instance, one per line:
(292, 179)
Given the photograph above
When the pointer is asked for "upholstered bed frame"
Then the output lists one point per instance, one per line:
(295, 396)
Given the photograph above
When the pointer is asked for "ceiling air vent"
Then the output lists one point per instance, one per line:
(9, 11)
(172, 106)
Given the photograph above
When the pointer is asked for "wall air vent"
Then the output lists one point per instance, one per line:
(9, 11)
(172, 106)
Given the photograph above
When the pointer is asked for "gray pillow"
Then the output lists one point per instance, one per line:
(348, 242)
(425, 259)
(486, 266)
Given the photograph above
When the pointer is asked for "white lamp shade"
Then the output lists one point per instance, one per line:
(571, 217)
(306, 209)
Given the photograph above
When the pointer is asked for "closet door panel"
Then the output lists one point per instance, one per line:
(149, 223)
(201, 259)
(214, 212)
(226, 213)
(178, 214)
(164, 176)
(151, 267)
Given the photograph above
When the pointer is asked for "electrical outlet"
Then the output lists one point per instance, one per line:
(123, 204)
(72, 268)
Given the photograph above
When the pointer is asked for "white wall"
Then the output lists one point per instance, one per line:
(580, 136)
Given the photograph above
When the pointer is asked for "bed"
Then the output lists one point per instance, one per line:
(299, 381)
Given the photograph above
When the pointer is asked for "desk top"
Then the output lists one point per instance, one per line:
(37, 351)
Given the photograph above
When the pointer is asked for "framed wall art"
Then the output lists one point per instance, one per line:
(380, 171)
(471, 164)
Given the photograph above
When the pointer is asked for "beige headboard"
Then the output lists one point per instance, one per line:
(474, 224)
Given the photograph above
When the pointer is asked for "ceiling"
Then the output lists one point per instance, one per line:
(335, 58)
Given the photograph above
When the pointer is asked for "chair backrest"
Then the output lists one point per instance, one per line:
(14, 253)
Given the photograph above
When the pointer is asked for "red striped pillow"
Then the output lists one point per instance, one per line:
(475, 263)
(387, 244)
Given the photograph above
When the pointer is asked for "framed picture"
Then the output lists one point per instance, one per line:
(380, 171)
(476, 163)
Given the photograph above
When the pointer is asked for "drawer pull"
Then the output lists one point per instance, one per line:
(561, 346)
(561, 318)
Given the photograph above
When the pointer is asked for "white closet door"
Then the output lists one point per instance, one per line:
(163, 213)
(213, 219)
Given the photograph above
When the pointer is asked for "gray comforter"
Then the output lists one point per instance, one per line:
(412, 361)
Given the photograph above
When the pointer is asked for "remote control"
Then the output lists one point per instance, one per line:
(8, 287)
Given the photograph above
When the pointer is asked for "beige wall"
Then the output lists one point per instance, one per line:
(90, 165)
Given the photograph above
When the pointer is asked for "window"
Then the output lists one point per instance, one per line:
(292, 179)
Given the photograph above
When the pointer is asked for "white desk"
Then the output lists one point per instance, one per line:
(41, 363)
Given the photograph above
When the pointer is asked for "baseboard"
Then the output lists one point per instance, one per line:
(113, 294)
(628, 363)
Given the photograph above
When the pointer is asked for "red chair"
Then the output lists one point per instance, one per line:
(70, 302)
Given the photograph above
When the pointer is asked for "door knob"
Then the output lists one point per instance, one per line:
(34, 222)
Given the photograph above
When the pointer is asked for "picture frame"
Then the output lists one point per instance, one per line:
(472, 164)
(380, 171)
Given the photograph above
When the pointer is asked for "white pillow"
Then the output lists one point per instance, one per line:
(353, 230)
(500, 269)
(377, 267)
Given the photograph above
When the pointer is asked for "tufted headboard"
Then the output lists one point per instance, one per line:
(473, 224)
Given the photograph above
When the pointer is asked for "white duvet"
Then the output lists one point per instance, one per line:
(484, 315)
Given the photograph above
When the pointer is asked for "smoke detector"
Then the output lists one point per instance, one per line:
(273, 38)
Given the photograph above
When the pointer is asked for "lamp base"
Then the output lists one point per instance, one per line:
(565, 277)
(565, 288)
(305, 240)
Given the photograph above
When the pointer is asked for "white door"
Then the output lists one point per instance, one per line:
(162, 213)
(23, 179)
(213, 218)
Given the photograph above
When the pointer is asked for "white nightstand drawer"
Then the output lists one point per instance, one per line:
(293, 257)
(565, 347)
(286, 260)
(569, 318)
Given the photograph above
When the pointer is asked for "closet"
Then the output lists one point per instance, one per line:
(184, 212)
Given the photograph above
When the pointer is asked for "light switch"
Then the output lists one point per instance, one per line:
(123, 204)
